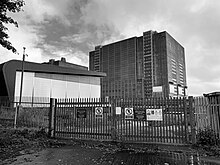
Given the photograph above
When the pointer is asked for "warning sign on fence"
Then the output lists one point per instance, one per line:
(81, 113)
(118, 110)
(154, 114)
(129, 113)
(98, 112)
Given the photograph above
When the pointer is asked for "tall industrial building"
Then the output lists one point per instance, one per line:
(152, 65)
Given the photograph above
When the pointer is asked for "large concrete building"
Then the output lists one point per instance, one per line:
(55, 79)
(146, 66)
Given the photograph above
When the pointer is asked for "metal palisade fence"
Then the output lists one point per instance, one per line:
(153, 120)
(83, 118)
(207, 113)
(33, 112)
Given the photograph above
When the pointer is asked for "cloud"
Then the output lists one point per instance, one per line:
(75, 38)
(72, 28)
(193, 24)
(79, 34)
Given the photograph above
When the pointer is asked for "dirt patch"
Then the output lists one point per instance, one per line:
(64, 155)
(15, 142)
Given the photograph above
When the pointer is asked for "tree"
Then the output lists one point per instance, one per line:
(5, 7)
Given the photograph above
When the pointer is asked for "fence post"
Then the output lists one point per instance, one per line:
(51, 131)
(18, 108)
(113, 123)
(192, 119)
(186, 117)
(16, 117)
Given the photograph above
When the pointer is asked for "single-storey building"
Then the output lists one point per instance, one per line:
(54, 79)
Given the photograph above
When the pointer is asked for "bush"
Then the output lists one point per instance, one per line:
(207, 137)
(32, 134)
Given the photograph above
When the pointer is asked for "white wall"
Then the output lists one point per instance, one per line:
(28, 84)
(42, 87)
(57, 86)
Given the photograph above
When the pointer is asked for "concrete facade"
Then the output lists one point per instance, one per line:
(152, 65)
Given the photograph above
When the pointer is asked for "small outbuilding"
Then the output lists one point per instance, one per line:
(54, 79)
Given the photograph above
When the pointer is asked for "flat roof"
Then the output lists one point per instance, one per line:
(47, 68)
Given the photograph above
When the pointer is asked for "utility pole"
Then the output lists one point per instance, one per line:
(22, 74)
(21, 86)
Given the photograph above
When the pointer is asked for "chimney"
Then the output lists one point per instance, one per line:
(63, 59)
(51, 61)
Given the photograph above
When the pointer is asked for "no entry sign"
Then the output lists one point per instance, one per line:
(98, 112)
(129, 113)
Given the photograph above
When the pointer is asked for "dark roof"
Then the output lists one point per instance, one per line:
(212, 94)
(9, 69)
(46, 68)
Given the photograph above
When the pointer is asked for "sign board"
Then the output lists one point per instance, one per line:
(158, 89)
(129, 113)
(81, 113)
(98, 112)
(172, 89)
(154, 114)
(118, 110)
(140, 114)
(106, 109)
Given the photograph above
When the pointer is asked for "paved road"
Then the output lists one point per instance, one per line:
(93, 155)
(74, 155)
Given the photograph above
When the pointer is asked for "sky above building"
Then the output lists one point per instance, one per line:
(71, 28)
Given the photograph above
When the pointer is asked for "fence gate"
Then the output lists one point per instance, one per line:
(127, 120)
(153, 120)
(83, 119)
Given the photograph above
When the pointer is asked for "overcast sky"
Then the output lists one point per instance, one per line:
(71, 28)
